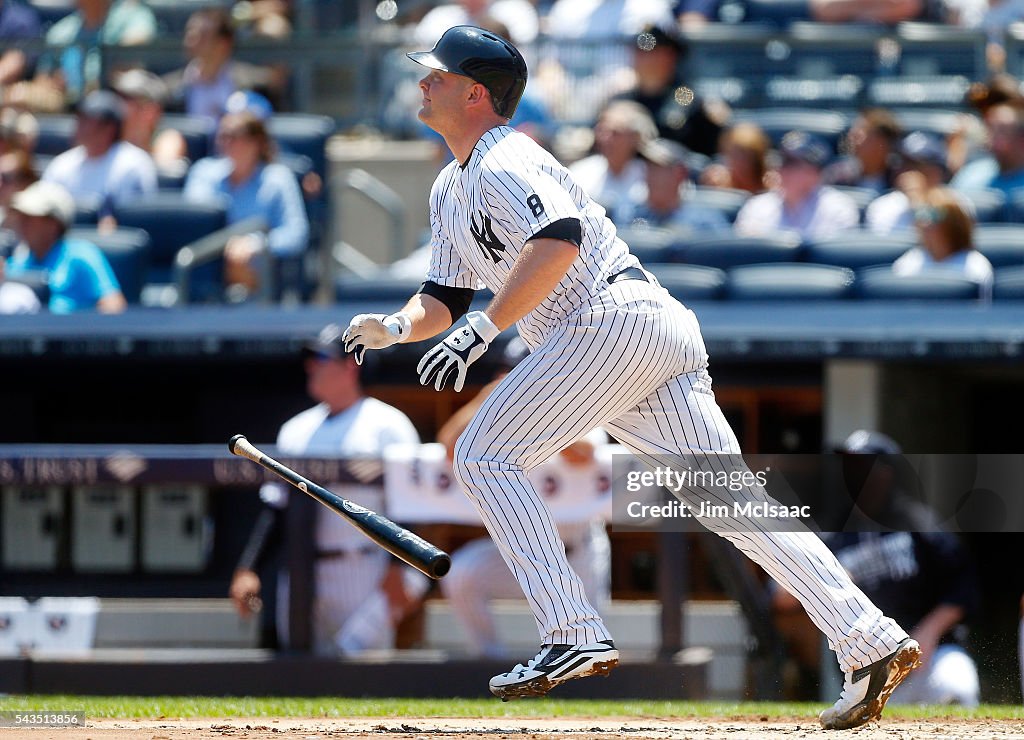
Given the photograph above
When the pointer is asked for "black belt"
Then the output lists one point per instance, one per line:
(342, 554)
(630, 273)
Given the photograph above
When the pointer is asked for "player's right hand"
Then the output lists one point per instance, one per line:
(374, 331)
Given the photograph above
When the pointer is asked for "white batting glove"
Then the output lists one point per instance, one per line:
(374, 331)
(460, 349)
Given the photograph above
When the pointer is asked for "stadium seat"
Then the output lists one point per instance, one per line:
(690, 282)
(649, 245)
(1003, 244)
(728, 250)
(197, 132)
(127, 250)
(51, 11)
(929, 91)
(858, 248)
(56, 134)
(939, 121)
(305, 134)
(376, 288)
(728, 201)
(777, 122)
(990, 205)
(87, 211)
(171, 222)
(1009, 284)
(881, 284)
(861, 196)
(786, 282)
(941, 49)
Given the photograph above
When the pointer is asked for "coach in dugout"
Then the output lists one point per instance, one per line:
(896, 553)
(360, 592)
(77, 274)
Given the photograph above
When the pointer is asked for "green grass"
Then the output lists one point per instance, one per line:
(126, 707)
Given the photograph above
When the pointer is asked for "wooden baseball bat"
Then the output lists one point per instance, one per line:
(400, 542)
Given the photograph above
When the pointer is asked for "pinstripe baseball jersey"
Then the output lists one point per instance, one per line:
(483, 213)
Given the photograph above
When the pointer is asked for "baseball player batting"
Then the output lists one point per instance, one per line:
(609, 347)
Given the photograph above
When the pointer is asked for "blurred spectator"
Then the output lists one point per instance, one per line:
(102, 169)
(144, 95)
(923, 158)
(16, 297)
(744, 150)
(268, 18)
(16, 174)
(479, 574)
(888, 12)
(602, 20)
(801, 203)
(18, 22)
(922, 576)
(77, 274)
(664, 204)
(19, 130)
(518, 16)
(65, 75)
(614, 174)
(946, 232)
(361, 592)
(679, 114)
(695, 13)
(250, 183)
(1003, 169)
(872, 142)
(202, 88)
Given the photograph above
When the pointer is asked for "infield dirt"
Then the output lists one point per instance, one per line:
(412, 728)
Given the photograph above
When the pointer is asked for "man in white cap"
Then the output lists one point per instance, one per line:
(77, 274)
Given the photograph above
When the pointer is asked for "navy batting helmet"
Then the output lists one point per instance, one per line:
(483, 57)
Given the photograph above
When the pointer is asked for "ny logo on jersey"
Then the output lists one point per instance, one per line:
(485, 237)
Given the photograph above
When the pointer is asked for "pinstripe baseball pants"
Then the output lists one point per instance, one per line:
(633, 361)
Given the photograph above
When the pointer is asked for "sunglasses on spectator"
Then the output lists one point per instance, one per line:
(929, 215)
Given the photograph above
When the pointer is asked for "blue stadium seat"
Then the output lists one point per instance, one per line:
(56, 134)
(171, 222)
(87, 211)
(861, 196)
(377, 288)
(690, 282)
(127, 250)
(930, 91)
(990, 205)
(198, 133)
(777, 122)
(8, 240)
(52, 11)
(787, 282)
(881, 284)
(303, 133)
(1015, 206)
(729, 250)
(857, 248)
(941, 49)
(649, 245)
(1009, 284)
(1003, 244)
(728, 201)
(939, 121)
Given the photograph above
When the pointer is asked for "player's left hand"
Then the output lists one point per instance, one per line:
(460, 349)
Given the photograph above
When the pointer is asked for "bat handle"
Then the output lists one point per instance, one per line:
(239, 445)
